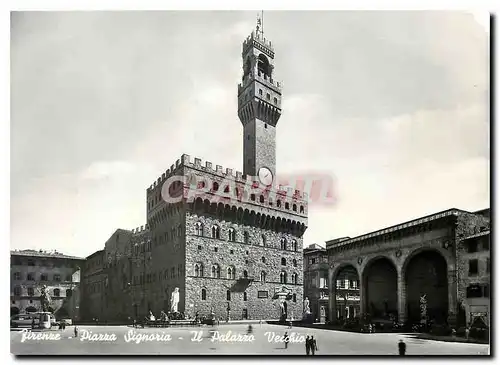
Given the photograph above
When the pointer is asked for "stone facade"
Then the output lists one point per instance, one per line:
(316, 280)
(31, 269)
(474, 280)
(255, 231)
(397, 247)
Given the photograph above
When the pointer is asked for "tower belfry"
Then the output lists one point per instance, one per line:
(259, 104)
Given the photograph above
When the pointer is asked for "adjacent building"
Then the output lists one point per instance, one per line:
(431, 268)
(474, 277)
(230, 241)
(31, 269)
(316, 280)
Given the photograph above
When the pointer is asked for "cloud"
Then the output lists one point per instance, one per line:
(104, 169)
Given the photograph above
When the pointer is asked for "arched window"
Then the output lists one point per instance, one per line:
(198, 270)
(283, 261)
(215, 186)
(263, 259)
(231, 272)
(294, 245)
(69, 293)
(245, 274)
(215, 231)
(252, 197)
(203, 294)
(232, 235)
(283, 243)
(294, 207)
(278, 203)
(294, 262)
(302, 209)
(57, 292)
(263, 65)
(263, 241)
(199, 228)
(283, 277)
(287, 205)
(275, 101)
(216, 271)
(261, 199)
(179, 231)
(262, 277)
(244, 296)
(246, 236)
(294, 278)
(228, 295)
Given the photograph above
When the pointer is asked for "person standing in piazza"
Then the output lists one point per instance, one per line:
(287, 339)
(314, 346)
(308, 345)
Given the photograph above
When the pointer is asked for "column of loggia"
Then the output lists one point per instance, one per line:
(401, 296)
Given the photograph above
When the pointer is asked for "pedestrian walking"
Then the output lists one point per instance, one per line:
(76, 332)
(402, 348)
(287, 339)
(314, 346)
(308, 345)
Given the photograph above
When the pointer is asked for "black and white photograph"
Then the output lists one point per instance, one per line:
(250, 182)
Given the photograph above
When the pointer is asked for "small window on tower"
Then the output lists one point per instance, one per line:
(275, 101)
(260, 92)
(265, 125)
(268, 96)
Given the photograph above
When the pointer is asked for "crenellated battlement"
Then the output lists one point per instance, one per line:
(140, 230)
(238, 176)
(264, 79)
(257, 39)
(223, 173)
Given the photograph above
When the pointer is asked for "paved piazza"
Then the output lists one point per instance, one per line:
(329, 343)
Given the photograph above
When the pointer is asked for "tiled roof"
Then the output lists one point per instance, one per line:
(35, 253)
(397, 227)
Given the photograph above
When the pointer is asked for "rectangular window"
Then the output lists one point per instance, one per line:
(31, 276)
(474, 291)
(472, 246)
(486, 243)
(31, 292)
(44, 277)
(473, 267)
(31, 262)
(339, 284)
(17, 276)
(262, 294)
(346, 283)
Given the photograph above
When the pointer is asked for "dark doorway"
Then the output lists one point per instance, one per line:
(245, 313)
(381, 288)
(426, 275)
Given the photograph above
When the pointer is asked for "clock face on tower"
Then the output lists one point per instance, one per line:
(265, 176)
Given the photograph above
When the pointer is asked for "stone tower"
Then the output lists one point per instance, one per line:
(259, 106)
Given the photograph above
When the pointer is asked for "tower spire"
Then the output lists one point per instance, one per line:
(260, 24)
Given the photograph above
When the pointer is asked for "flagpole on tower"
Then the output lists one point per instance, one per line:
(262, 17)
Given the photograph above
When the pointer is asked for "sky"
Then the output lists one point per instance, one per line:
(394, 105)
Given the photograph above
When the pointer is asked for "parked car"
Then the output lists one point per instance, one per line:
(24, 320)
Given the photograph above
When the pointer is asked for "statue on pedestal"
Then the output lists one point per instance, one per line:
(307, 310)
(44, 298)
(174, 300)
